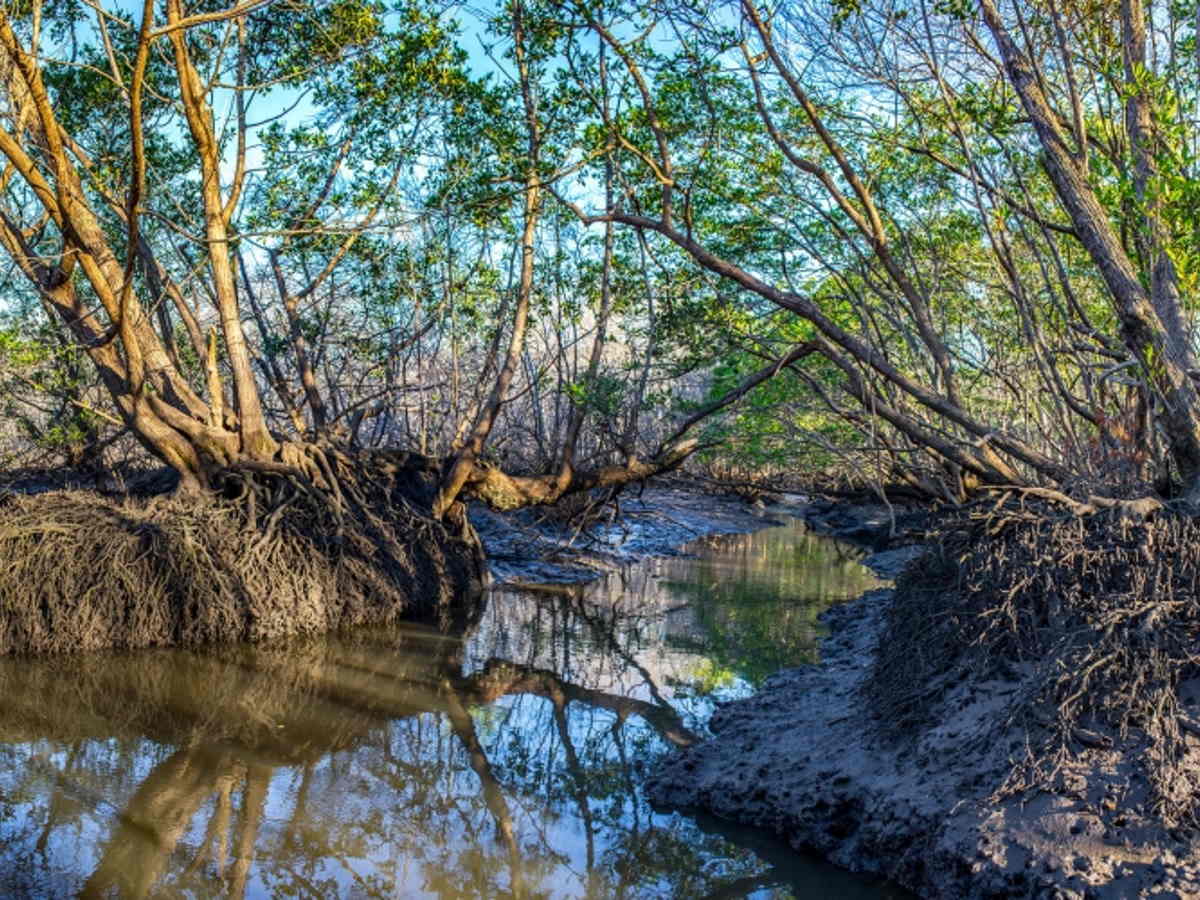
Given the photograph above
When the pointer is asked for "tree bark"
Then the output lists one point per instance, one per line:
(1154, 343)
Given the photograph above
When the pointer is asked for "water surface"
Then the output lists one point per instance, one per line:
(501, 759)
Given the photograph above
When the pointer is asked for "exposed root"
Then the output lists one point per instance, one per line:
(274, 552)
(1091, 607)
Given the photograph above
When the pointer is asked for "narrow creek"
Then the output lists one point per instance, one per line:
(504, 758)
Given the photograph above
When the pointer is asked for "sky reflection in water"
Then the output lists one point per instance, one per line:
(502, 761)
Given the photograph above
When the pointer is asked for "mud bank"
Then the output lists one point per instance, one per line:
(803, 759)
(528, 546)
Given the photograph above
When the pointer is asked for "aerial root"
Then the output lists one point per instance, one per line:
(1137, 508)
(268, 554)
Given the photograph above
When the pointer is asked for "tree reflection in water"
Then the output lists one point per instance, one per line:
(501, 758)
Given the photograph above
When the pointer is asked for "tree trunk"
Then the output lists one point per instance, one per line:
(1157, 344)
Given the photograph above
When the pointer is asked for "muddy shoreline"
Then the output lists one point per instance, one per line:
(920, 811)
(530, 547)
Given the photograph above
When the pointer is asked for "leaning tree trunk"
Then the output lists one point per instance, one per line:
(1151, 326)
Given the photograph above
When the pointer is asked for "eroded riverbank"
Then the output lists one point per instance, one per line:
(804, 758)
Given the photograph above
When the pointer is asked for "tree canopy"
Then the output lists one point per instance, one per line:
(562, 245)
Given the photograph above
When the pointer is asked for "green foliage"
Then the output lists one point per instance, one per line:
(408, 120)
(602, 395)
(41, 382)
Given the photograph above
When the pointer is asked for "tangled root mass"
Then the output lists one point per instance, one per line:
(1096, 616)
(269, 555)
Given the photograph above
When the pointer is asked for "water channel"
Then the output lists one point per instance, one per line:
(500, 759)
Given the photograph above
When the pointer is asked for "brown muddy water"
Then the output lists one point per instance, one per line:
(501, 759)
